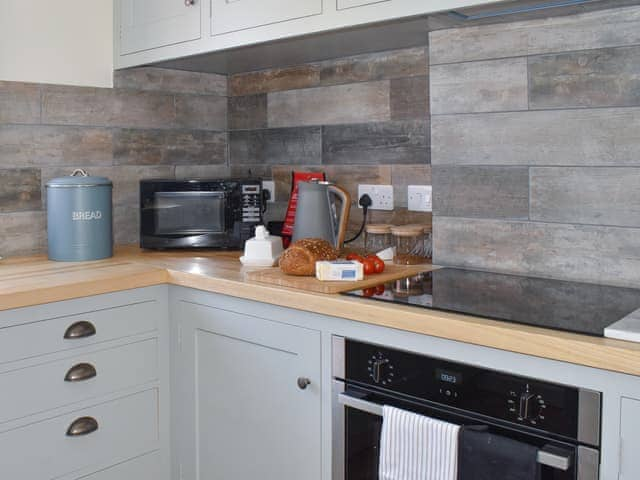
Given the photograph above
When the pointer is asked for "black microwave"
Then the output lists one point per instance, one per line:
(199, 213)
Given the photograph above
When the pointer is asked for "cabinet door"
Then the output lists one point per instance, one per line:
(233, 15)
(244, 416)
(630, 439)
(343, 4)
(146, 24)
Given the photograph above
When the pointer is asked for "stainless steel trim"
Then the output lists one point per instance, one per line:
(359, 404)
(589, 416)
(338, 356)
(555, 458)
(338, 432)
(588, 464)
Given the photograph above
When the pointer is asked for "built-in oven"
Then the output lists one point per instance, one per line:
(562, 422)
(199, 213)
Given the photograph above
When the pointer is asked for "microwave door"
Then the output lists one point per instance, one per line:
(189, 213)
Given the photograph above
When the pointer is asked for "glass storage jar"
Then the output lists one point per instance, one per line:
(428, 242)
(410, 245)
(377, 237)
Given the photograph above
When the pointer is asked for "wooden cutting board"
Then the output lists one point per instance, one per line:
(274, 276)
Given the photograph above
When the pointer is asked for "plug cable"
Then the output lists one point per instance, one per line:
(365, 202)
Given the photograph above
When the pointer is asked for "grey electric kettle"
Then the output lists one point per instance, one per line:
(316, 212)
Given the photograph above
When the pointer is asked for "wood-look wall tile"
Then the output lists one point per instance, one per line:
(409, 98)
(20, 190)
(606, 28)
(358, 102)
(487, 192)
(276, 146)
(168, 147)
(22, 233)
(404, 175)
(39, 145)
(407, 62)
(126, 224)
(201, 112)
(594, 78)
(599, 196)
(248, 112)
(274, 80)
(202, 171)
(606, 136)
(486, 86)
(169, 80)
(19, 102)
(376, 143)
(248, 170)
(66, 105)
(575, 252)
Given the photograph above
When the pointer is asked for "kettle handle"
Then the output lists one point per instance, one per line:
(345, 208)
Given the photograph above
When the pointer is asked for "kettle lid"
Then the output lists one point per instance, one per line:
(79, 178)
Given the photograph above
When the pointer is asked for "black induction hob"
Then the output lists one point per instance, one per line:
(575, 307)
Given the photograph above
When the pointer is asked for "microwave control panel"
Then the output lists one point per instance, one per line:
(251, 203)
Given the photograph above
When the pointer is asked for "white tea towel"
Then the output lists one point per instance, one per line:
(415, 447)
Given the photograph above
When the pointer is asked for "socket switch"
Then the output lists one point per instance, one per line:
(381, 196)
(271, 186)
(419, 198)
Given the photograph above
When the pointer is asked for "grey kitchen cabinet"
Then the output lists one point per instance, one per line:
(247, 396)
(229, 16)
(147, 24)
(629, 439)
(342, 4)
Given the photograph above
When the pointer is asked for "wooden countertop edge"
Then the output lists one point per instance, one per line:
(601, 353)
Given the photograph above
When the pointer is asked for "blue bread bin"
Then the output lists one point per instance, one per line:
(79, 225)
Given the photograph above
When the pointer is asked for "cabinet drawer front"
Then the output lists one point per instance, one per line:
(127, 427)
(43, 387)
(343, 4)
(147, 467)
(230, 16)
(47, 336)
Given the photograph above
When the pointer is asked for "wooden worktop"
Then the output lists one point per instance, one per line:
(35, 280)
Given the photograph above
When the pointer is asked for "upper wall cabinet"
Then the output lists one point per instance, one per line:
(146, 24)
(233, 15)
(342, 4)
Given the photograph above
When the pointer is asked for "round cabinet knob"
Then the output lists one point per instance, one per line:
(189, 3)
(303, 383)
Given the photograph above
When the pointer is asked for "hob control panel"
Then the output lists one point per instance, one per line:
(520, 400)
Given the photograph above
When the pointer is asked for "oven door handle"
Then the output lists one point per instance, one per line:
(549, 455)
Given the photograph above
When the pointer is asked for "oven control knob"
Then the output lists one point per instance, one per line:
(526, 405)
(381, 370)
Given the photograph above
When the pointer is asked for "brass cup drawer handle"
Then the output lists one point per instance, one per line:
(80, 373)
(81, 329)
(82, 426)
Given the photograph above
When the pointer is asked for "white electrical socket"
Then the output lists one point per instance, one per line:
(381, 196)
(271, 186)
(419, 198)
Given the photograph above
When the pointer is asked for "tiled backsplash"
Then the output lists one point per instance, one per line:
(535, 146)
(155, 123)
(361, 119)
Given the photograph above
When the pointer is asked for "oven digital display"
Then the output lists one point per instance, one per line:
(449, 376)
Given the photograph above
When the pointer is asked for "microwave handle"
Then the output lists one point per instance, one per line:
(548, 455)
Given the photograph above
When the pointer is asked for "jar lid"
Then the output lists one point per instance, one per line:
(408, 230)
(381, 228)
(79, 178)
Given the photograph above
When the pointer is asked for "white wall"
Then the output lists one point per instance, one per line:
(57, 41)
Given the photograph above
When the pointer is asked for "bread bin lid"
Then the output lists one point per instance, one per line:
(78, 179)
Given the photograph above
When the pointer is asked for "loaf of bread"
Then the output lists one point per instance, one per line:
(301, 256)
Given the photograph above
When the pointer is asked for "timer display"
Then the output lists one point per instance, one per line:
(449, 376)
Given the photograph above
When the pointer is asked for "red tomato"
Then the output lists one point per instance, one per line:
(378, 265)
(369, 292)
(379, 289)
(369, 266)
(355, 256)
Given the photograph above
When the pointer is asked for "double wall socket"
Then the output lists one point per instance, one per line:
(381, 196)
(419, 198)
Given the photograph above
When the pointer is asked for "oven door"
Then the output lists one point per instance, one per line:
(357, 424)
(185, 218)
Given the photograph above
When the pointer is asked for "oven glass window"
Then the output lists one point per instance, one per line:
(191, 213)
